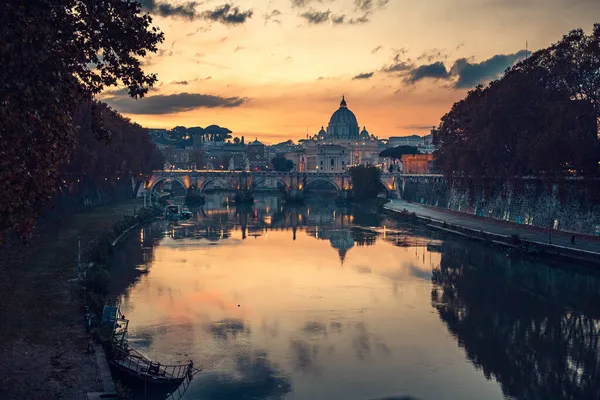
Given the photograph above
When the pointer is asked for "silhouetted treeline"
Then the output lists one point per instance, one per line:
(540, 119)
(105, 170)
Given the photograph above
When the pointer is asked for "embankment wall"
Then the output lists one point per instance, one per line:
(571, 205)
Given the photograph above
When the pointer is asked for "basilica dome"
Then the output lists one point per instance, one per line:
(343, 123)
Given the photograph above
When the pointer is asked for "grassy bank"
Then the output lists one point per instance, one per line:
(42, 337)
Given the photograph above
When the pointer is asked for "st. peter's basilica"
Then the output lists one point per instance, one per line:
(343, 144)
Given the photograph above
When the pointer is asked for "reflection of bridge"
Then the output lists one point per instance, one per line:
(203, 181)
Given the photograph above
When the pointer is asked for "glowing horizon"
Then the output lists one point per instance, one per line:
(273, 75)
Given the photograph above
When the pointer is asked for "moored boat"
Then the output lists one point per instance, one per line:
(172, 212)
(137, 369)
(186, 214)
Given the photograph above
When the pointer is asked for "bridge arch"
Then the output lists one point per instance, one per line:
(312, 180)
(154, 182)
(222, 182)
(259, 182)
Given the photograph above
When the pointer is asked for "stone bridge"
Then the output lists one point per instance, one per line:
(302, 182)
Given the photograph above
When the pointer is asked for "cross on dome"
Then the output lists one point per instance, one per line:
(343, 103)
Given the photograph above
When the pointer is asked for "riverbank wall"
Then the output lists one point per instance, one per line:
(570, 205)
(43, 340)
(75, 197)
(99, 250)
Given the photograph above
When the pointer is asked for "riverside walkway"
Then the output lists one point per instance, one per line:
(585, 244)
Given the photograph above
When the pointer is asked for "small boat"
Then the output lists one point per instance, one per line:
(172, 212)
(186, 214)
(139, 370)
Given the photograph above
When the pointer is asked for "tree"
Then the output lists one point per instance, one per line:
(366, 182)
(540, 118)
(129, 154)
(54, 56)
(236, 140)
(397, 152)
(198, 157)
(282, 164)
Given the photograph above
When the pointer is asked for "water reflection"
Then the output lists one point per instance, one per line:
(305, 302)
(532, 327)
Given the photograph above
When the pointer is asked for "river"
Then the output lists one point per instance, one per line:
(326, 302)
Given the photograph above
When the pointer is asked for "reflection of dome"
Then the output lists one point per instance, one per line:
(342, 241)
(343, 123)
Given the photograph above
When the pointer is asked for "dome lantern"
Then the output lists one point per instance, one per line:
(343, 103)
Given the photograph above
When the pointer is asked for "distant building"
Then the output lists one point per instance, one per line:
(416, 163)
(298, 157)
(257, 156)
(331, 158)
(423, 143)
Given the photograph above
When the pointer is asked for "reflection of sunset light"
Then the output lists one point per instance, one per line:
(267, 219)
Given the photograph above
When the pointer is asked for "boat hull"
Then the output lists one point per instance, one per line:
(134, 377)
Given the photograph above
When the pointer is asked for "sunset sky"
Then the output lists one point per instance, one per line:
(273, 69)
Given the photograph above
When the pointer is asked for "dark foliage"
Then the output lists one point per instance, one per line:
(129, 153)
(397, 152)
(539, 119)
(365, 182)
(282, 164)
(55, 55)
(181, 137)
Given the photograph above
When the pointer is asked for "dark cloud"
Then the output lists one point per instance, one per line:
(376, 49)
(172, 103)
(433, 55)
(124, 92)
(363, 5)
(227, 15)
(399, 66)
(417, 127)
(341, 19)
(360, 20)
(463, 73)
(273, 16)
(436, 70)
(364, 75)
(180, 83)
(338, 19)
(239, 48)
(471, 74)
(370, 5)
(165, 9)
(316, 17)
(304, 3)
(201, 29)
